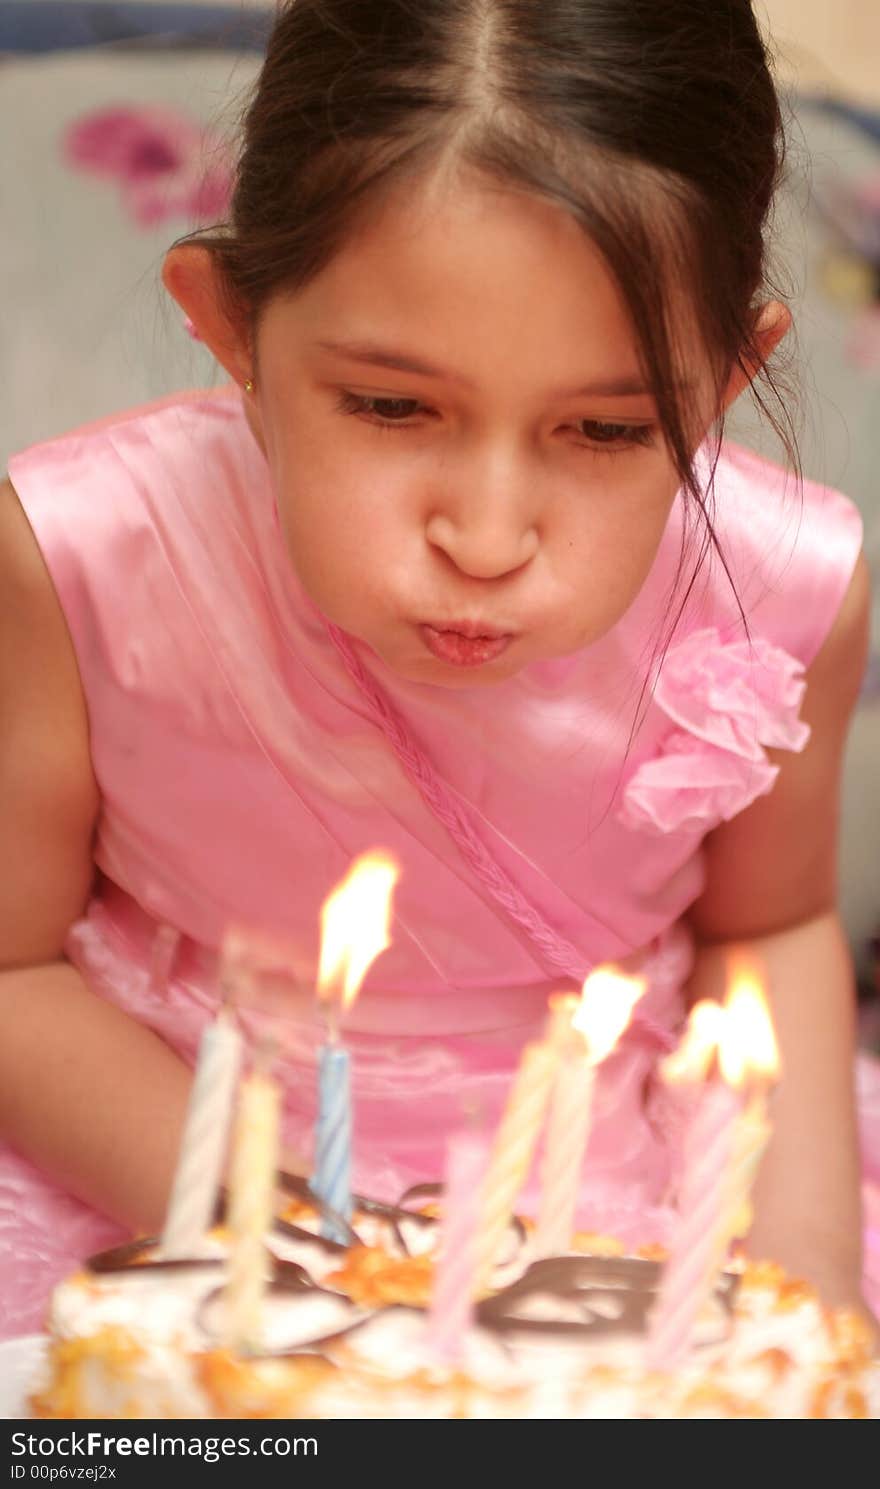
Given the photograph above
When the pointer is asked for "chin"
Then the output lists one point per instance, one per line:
(486, 677)
(436, 674)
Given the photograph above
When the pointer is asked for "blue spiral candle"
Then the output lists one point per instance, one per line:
(355, 921)
(332, 1179)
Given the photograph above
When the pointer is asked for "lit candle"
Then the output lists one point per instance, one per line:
(252, 1181)
(205, 1137)
(598, 1018)
(332, 1178)
(749, 1060)
(753, 1133)
(514, 1143)
(723, 1146)
(453, 1292)
(355, 928)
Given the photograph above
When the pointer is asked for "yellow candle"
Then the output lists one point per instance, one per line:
(750, 1138)
(568, 1128)
(251, 1204)
(749, 1060)
(588, 1028)
(513, 1148)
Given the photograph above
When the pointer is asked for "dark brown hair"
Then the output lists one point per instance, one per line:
(655, 123)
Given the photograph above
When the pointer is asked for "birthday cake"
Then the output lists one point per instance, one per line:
(346, 1332)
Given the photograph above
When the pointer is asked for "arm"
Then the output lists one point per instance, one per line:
(87, 1093)
(771, 890)
(91, 1096)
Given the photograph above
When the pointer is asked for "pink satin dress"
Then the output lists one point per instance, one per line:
(246, 753)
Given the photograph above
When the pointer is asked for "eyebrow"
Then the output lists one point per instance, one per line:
(372, 354)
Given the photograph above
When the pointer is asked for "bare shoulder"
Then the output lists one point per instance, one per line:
(20, 563)
(775, 864)
(32, 626)
(48, 795)
(835, 675)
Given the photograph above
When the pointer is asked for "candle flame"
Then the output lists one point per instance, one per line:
(604, 1010)
(738, 1033)
(748, 1046)
(355, 925)
(693, 1059)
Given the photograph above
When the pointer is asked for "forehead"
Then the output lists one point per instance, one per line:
(476, 276)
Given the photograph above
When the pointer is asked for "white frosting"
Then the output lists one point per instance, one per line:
(774, 1361)
(291, 1321)
(152, 1305)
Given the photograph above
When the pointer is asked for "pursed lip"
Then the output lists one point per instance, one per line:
(455, 648)
(472, 630)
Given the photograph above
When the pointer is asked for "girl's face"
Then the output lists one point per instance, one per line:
(469, 470)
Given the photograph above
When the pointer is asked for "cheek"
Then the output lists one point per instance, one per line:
(324, 536)
(345, 530)
(615, 532)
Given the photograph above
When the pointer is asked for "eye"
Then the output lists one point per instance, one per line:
(600, 433)
(388, 413)
(381, 411)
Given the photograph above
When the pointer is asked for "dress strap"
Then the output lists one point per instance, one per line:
(554, 949)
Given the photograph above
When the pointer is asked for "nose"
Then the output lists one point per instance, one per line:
(485, 520)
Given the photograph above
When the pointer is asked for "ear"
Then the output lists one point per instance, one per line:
(191, 276)
(772, 322)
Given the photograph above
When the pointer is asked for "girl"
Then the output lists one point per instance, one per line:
(456, 564)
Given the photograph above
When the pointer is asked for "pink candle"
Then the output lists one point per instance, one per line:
(731, 1049)
(455, 1278)
(700, 1240)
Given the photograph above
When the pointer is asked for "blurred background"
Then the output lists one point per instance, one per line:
(116, 120)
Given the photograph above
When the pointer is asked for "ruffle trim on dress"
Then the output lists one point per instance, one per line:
(729, 702)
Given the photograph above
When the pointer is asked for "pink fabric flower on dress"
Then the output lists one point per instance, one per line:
(167, 165)
(729, 700)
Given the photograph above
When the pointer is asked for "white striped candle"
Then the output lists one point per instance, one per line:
(205, 1138)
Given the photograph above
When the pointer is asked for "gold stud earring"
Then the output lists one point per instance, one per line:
(248, 385)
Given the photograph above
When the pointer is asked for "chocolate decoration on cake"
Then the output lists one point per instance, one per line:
(290, 1276)
(296, 1232)
(301, 1189)
(435, 1191)
(280, 1288)
(420, 1192)
(395, 1215)
(321, 1342)
(317, 1345)
(298, 1185)
(134, 1257)
(608, 1295)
